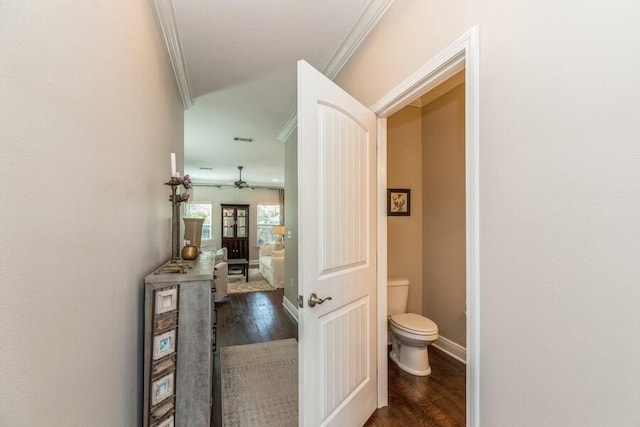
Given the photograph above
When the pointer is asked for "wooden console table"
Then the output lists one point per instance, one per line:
(179, 332)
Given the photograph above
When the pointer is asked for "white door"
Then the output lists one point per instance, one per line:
(337, 253)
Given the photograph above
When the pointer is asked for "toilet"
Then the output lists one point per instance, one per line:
(410, 333)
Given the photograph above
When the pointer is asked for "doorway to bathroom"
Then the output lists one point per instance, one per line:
(426, 246)
(452, 72)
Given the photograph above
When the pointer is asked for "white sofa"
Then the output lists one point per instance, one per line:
(271, 264)
(221, 269)
(220, 279)
(209, 245)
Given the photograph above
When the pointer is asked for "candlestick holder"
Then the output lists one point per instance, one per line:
(176, 265)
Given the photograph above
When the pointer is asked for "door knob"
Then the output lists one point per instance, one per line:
(313, 300)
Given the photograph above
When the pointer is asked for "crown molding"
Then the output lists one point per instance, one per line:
(289, 127)
(167, 19)
(370, 16)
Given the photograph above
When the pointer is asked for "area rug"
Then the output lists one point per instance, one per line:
(259, 384)
(237, 283)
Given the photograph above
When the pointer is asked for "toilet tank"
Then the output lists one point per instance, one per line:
(397, 294)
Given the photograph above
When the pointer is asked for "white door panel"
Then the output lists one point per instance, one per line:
(337, 254)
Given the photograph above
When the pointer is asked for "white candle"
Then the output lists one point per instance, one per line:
(173, 165)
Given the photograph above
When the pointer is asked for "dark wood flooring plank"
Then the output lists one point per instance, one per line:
(434, 401)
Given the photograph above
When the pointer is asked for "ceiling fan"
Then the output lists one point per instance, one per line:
(239, 184)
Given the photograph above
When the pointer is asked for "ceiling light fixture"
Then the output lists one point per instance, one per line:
(239, 139)
(203, 168)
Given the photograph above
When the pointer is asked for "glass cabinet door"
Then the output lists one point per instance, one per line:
(235, 230)
(241, 222)
(228, 222)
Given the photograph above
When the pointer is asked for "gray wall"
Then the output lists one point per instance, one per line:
(291, 218)
(443, 217)
(90, 114)
(559, 199)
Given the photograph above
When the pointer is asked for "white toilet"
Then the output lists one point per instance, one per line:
(410, 333)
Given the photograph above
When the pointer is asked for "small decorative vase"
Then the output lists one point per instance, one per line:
(189, 252)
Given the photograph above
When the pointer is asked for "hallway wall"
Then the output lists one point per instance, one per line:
(90, 114)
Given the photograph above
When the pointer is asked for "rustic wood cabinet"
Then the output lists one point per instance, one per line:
(179, 334)
(235, 230)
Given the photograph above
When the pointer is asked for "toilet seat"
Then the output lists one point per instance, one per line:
(414, 324)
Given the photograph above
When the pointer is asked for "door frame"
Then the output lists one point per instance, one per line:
(462, 54)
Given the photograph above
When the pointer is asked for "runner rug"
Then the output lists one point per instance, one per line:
(237, 283)
(260, 384)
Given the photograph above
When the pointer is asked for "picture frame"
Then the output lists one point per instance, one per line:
(398, 202)
(161, 389)
(164, 344)
(166, 300)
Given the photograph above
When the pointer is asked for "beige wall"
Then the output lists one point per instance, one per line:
(90, 114)
(443, 241)
(291, 218)
(404, 170)
(233, 196)
(559, 199)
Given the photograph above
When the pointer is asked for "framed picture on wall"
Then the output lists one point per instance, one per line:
(398, 202)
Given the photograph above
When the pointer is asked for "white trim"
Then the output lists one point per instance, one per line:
(383, 382)
(166, 16)
(453, 349)
(463, 53)
(289, 127)
(290, 308)
(416, 85)
(363, 26)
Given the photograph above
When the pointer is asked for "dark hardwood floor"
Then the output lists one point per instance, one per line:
(246, 319)
(435, 401)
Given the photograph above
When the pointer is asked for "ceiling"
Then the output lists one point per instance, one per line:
(235, 64)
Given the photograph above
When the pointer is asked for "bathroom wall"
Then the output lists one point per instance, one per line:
(404, 170)
(444, 214)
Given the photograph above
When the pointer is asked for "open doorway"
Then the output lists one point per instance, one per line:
(426, 258)
(461, 55)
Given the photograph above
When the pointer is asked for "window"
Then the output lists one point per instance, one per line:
(268, 216)
(200, 210)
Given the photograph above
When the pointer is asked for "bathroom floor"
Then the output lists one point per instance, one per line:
(436, 400)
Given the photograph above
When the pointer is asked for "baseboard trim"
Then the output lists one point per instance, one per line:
(453, 349)
(290, 308)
